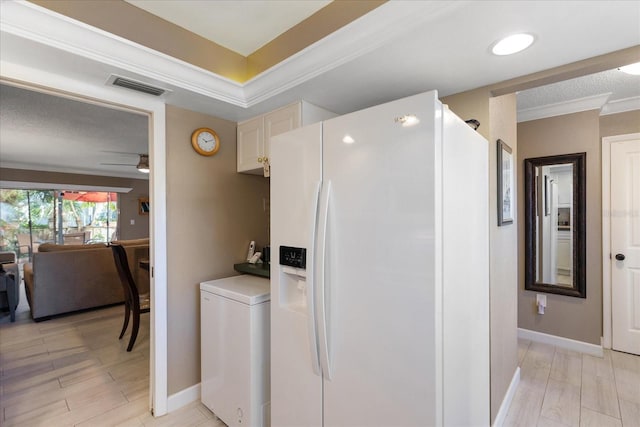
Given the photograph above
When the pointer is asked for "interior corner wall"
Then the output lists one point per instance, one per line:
(212, 215)
(127, 202)
(620, 123)
(504, 256)
(497, 118)
(130, 211)
(472, 105)
(569, 317)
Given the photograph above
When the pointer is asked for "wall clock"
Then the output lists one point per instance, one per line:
(205, 141)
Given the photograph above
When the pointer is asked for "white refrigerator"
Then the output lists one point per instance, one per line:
(380, 270)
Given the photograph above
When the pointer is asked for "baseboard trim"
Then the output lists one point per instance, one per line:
(508, 398)
(568, 343)
(183, 398)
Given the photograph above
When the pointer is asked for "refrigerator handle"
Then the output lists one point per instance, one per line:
(311, 310)
(320, 282)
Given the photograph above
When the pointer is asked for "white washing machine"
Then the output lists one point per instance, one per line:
(234, 331)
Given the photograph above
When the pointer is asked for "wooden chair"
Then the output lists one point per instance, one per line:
(24, 246)
(133, 301)
(74, 238)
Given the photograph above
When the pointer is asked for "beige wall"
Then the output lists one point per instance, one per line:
(132, 23)
(127, 203)
(212, 215)
(570, 317)
(620, 124)
(504, 249)
(472, 105)
(497, 118)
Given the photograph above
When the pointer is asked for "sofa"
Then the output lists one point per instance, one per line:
(9, 287)
(67, 278)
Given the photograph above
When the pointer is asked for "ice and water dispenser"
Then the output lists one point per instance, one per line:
(293, 278)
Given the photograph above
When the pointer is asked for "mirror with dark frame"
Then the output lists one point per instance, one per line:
(555, 251)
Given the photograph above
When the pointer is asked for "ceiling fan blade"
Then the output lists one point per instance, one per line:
(122, 152)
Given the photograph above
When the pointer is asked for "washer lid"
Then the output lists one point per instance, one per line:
(246, 289)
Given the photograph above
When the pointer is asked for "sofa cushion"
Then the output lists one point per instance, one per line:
(52, 247)
(132, 242)
(10, 268)
(7, 257)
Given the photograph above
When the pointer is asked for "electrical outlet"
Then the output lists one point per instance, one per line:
(541, 303)
(133, 222)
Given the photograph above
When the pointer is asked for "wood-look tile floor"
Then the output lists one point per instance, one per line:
(564, 388)
(73, 371)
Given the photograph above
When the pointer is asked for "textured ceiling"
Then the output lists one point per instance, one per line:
(69, 134)
(619, 84)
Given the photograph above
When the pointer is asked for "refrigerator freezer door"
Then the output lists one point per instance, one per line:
(380, 268)
(296, 390)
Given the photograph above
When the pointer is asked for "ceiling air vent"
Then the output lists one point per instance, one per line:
(135, 85)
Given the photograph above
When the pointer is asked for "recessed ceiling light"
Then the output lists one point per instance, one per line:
(633, 69)
(512, 44)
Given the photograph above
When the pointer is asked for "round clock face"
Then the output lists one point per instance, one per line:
(205, 141)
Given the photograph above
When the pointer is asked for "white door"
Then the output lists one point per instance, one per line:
(625, 245)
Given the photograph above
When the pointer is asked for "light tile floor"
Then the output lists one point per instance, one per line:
(564, 388)
(73, 371)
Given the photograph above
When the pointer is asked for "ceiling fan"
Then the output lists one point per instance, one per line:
(143, 162)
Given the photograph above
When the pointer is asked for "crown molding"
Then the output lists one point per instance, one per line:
(594, 102)
(381, 26)
(41, 25)
(621, 106)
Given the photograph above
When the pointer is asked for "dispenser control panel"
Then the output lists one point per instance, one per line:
(293, 257)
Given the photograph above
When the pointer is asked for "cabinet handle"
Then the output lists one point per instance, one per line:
(259, 159)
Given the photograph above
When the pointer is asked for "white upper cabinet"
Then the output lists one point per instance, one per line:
(250, 144)
(254, 135)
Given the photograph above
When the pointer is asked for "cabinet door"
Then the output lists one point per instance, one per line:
(564, 254)
(250, 144)
(280, 121)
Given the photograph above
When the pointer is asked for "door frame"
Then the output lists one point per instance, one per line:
(39, 80)
(607, 308)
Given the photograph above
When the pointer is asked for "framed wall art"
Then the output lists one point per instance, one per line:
(505, 184)
(143, 206)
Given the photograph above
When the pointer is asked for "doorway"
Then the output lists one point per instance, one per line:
(621, 242)
(154, 109)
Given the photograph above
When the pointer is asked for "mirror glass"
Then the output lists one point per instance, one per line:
(554, 210)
